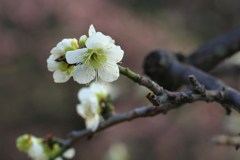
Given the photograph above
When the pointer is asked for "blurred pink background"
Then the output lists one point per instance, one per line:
(32, 103)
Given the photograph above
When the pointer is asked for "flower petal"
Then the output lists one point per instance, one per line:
(75, 56)
(108, 72)
(113, 53)
(84, 74)
(91, 30)
(52, 65)
(36, 150)
(81, 111)
(60, 77)
(57, 52)
(98, 88)
(64, 43)
(84, 94)
(93, 122)
(70, 153)
(88, 107)
(97, 41)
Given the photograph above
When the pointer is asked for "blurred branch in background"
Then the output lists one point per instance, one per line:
(227, 140)
(210, 55)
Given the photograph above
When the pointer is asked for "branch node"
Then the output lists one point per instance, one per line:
(197, 87)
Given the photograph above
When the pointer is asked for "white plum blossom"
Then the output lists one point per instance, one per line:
(89, 108)
(37, 150)
(57, 63)
(98, 59)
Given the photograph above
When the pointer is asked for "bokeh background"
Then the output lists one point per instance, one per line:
(30, 101)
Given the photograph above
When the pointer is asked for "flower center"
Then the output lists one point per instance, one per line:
(95, 58)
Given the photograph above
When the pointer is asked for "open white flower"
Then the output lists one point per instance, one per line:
(98, 59)
(89, 108)
(57, 63)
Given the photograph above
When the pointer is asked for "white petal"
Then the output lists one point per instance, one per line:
(52, 65)
(57, 52)
(93, 102)
(70, 153)
(58, 158)
(64, 43)
(60, 76)
(114, 53)
(81, 111)
(108, 72)
(84, 74)
(111, 40)
(93, 122)
(98, 88)
(91, 30)
(97, 41)
(36, 151)
(75, 56)
(88, 107)
(84, 93)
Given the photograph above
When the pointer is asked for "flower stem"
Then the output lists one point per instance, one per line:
(128, 73)
(143, 81)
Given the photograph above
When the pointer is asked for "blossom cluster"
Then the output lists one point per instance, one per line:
(92, 57)
(37, 149)
(95, 56)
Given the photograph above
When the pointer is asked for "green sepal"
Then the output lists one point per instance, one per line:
(50, 151)
(70, 70)
(63, 66)
(69, 49)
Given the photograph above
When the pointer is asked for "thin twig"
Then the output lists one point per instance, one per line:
(153, 86)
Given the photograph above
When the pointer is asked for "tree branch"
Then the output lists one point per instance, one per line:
(160, 64)
(153, 86)
(197, 93)
(163, 103)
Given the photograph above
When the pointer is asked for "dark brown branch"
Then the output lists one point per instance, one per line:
(214, 52)
(197, 93)
(161, 64)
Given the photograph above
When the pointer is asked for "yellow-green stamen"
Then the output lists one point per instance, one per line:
(95, 58)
